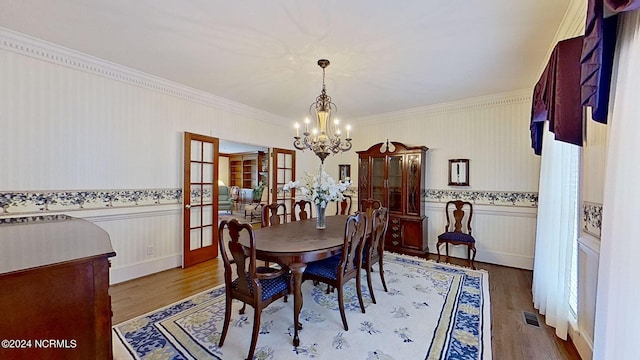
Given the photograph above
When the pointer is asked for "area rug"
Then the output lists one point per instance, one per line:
(431, 311)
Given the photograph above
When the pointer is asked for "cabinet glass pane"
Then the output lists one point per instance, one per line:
(377, 179)
(394, 183)
(363, 178)
(413, 184)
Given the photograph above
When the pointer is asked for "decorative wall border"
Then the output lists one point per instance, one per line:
(40, 202)
(592, 218)
(507, 198)
(48, 201)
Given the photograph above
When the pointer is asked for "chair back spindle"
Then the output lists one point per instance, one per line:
(274, 214)
(301, 210)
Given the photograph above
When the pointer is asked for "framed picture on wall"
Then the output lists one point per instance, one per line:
(459, 172)
(344, 172)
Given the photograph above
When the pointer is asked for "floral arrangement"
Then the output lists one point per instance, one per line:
(320, 189)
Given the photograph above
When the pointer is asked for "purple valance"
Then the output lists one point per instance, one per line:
(623, 5)
(556, 96)
(597, 60)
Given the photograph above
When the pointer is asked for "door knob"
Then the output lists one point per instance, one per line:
(188, 206)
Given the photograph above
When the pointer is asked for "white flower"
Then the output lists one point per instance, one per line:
(320, 189)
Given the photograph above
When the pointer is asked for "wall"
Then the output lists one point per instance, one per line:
(223, 170)
(100, 141)
(493, 133)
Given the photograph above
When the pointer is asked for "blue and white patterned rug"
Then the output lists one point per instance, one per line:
(432, 311)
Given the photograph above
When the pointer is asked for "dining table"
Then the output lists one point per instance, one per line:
(293, 245)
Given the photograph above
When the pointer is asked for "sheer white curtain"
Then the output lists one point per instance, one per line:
(556, 231)
(617, 311)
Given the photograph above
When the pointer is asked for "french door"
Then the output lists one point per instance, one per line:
(200, 195)
(284, 170)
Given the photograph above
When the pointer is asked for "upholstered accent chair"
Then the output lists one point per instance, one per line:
(250, 286)
(457, 231)
(339, 269)
(225, 203)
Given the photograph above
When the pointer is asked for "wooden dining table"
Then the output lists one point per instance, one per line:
(295, 244)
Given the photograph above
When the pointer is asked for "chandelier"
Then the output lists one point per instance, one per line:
(324, 137)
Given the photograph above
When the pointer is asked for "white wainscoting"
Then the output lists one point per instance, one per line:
(146, 240)
(588, 260)
(505, 235)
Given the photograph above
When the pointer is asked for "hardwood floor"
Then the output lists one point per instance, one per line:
(510, 291)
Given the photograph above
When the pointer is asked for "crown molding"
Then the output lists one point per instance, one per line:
(500, 99)
(52, 53)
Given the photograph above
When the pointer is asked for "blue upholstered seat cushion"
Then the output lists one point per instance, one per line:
(270, 287)
(457, 236)
(327, 268)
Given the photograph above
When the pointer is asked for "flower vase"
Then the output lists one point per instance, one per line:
(320, 218)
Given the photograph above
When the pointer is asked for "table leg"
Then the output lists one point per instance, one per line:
(297, 270)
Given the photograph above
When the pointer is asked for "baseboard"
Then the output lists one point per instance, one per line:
(144, 268)
(582, 344)
(491, 257)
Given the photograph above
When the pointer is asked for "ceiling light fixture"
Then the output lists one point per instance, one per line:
(324, 138)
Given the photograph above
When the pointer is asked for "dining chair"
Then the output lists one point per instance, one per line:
(271, 214)
(251, 287)
(457, 231)
(368, 205)
(373, 251)
(337, 270)
(300, 211)
(344, 207)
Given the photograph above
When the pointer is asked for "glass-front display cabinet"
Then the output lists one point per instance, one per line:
(395, 174)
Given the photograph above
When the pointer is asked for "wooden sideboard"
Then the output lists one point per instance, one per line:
(54, 281)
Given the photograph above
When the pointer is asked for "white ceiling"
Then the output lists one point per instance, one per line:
(385, 55)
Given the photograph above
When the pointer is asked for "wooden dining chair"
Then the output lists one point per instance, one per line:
(274, 214)
(457, 231)
(368, 205)
(373, 251)
(300, 211)
(251, 287)
(339, 269)
(344, 207)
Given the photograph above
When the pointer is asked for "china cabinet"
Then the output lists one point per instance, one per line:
(395, 174)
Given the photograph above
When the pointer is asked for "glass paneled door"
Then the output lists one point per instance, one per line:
(284, 165)
(200, 194)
